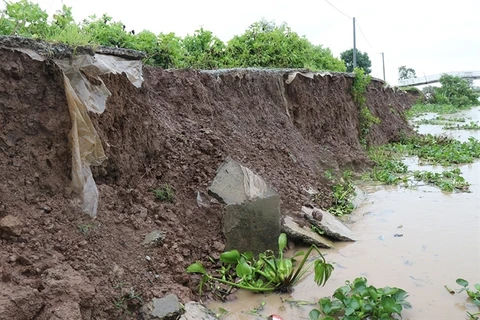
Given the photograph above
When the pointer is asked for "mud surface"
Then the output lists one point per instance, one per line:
(176, 129)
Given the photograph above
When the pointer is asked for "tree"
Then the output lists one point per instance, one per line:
(204, 50)
(363, 61)
(265, 44)
(406, 73)
(455, 91)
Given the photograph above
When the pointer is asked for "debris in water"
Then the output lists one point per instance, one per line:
(274, 317)
(449, 290)
(396, 235)
(381, 238)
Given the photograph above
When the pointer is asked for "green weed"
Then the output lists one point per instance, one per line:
(419, 109)
(343, 193)
(126, 300)
(390, 169)
(366, 118)
(469, 126)
(165, 193)
(473, 294)
(87, 228)
(268, 272)
(433, 149)
(357, 300)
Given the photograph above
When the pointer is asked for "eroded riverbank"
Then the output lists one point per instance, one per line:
(417, 239)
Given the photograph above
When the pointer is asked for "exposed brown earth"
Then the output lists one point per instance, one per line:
(57, 263)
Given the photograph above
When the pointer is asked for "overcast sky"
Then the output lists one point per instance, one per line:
(429, 36)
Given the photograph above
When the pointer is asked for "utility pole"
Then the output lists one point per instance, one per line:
(383, 62)
(354, 46)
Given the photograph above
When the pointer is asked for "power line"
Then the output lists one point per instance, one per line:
(363, 35)
(346, 15)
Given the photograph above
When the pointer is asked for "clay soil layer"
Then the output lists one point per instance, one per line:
(57, 263)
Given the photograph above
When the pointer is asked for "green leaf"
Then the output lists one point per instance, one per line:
(373, 292)
(314, 314)
(354, 303)
(282, 242)
(462, 282)
(400, 295)
(231, 256)
(325, 305)
(196, 267)
(349, 311)
(477, 286)
(390, 305)
(243, 269)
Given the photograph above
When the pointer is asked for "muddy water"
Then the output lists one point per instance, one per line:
(419, 240)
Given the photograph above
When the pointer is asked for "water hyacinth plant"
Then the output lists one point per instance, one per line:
(265, 273)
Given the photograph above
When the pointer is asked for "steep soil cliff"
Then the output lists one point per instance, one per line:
(57, 263)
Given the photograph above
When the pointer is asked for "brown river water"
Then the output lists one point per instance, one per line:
(439, 242)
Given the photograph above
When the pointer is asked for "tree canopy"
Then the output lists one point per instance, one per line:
(406, 73)
(263, 44)
(363, 61)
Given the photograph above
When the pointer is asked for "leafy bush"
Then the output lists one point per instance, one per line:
(455, 91)
(265, 44)
(203, 50)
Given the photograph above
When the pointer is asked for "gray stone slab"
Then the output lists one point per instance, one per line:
(196, 311)
(166, 308)
(295, 232)
(236, 184)
(253, 226)
(332, 227)
(252, 217)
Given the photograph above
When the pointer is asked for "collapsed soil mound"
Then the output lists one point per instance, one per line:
(57, 263)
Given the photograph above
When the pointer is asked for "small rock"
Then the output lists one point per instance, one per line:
(162, 309)
(218, 246)
(196, 311)
(154, 237)
(24, 261)
(83, 243)
(332, 227)
(46, 209)
(11, 226)
(304, 234)
(117, 270)
(148, 258)
(12, 258)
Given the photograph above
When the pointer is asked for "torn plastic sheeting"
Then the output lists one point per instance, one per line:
(93, 96)
(83, 96)
(293, 75)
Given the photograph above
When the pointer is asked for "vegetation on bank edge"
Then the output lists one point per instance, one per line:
(266, 272)
(366, 118)
(263, 44)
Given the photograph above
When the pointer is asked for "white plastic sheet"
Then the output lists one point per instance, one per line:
(83, 96)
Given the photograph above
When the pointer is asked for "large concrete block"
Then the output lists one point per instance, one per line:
(236, 184)
(252, 218)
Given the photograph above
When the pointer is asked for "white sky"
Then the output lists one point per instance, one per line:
(429, 36)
